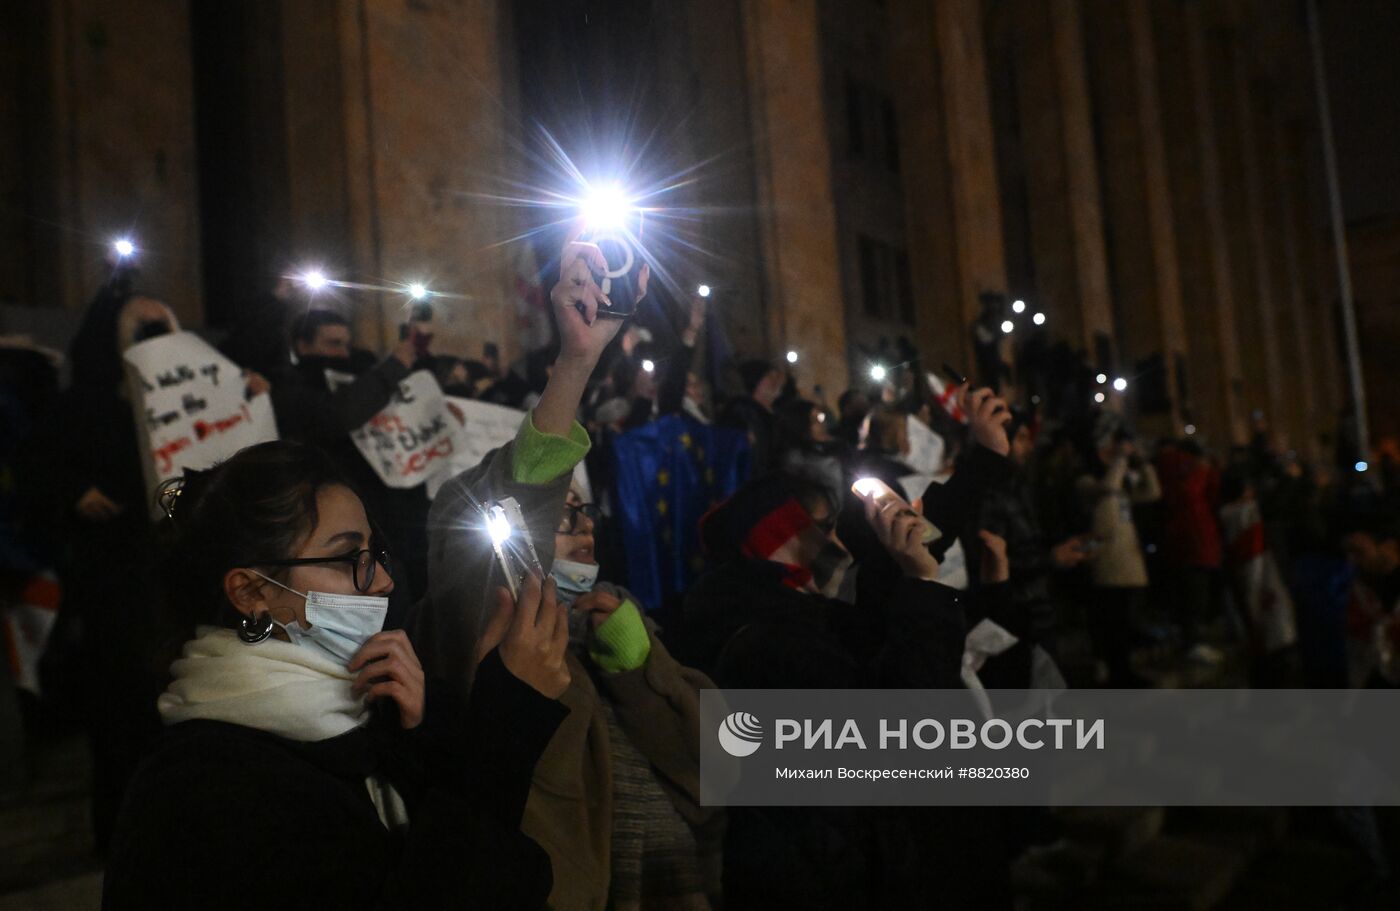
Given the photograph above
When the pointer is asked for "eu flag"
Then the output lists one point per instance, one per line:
(667, 474)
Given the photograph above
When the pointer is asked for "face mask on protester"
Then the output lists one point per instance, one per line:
(574, 579)
(340, 624)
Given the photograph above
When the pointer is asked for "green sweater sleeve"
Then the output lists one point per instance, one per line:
(539, 458)
(621, 643)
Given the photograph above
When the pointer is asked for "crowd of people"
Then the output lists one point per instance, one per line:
(303, 686)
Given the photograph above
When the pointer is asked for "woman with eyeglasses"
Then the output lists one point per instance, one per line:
(615, 797)
(662, 846)
(302, 762)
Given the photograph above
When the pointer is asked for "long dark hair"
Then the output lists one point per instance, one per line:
(257, 506)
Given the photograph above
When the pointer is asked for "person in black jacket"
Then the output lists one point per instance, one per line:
(777, 614)
(306, 763)
(752, 412)
(327, 395)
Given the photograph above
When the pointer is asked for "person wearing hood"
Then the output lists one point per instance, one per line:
(774, 615)
(615, 800)
(84, 483)
(307, 761)
(330, 393)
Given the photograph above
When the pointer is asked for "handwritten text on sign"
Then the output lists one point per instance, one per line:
(414, 437)
(190, 406)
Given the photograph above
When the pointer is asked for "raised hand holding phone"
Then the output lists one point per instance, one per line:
(577, 299)
(901, 530)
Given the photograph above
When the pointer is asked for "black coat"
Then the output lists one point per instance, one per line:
(224, 816)
(310, 412)
(749, 631)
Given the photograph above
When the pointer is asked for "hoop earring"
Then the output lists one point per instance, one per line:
(254, 629)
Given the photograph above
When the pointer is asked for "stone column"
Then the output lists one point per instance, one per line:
(425, 141)
(1240, 241)
(120, 89)
(1260, 307)
(971, 154)
(1203, 251)
(1296, 340)
(1146, 280)
(925, 179)
(792, 171)
(1062, 179)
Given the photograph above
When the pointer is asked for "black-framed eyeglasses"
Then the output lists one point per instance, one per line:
(363, 564)
(569, 523)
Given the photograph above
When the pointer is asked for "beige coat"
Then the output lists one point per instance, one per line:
(1118, 562)
(570, 808)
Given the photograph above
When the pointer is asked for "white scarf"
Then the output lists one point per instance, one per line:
(273, 686)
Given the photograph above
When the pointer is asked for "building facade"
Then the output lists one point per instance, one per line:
(843, 172)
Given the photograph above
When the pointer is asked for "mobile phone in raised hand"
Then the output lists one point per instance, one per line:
(880, 492)
(510, 537)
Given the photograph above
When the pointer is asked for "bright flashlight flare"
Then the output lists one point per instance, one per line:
(792, 357)
(877, 373)
(124, 247)
(498, 526)
(417, 291)
(606, 207)
(314, 279)
(703, 290)
(867, 486)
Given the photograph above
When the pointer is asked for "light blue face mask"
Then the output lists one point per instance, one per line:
(340, 624)
(573, 579)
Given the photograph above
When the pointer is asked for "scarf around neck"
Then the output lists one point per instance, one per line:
(271, 686)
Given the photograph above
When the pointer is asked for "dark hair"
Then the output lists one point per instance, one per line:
(305, 327)
(1233, 483)
(257, 506)
(752, 372)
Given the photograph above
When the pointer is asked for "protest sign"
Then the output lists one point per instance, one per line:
(486, 426)
(190, 407)
(414, 437)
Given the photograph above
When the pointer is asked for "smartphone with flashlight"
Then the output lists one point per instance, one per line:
(619, 283)
(877, 490)
(510, 538)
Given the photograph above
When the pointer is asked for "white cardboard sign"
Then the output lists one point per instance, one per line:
(414, 438)
(190, 407)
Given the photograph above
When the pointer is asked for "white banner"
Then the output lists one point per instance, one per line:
(190, 407)
(415, 438)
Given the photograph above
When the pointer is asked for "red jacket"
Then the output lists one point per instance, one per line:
(1190, 496)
